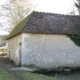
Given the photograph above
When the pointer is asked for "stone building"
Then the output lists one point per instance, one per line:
(46, 40)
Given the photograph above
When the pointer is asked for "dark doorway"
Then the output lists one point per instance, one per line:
(20, 54)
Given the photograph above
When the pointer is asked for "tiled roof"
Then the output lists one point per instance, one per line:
(48, 23)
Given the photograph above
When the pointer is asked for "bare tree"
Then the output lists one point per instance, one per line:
(13, 12)
(77, 4)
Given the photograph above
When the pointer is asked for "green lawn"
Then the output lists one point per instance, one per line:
(32, 76)
(3, 50)
(4, 75)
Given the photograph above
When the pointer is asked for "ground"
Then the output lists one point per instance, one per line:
(6, 64)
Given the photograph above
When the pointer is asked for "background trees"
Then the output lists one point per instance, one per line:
(77, 4)
(13, 12)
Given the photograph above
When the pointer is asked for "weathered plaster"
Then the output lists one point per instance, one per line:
(44, 50)
(14, 47)
(50, 51)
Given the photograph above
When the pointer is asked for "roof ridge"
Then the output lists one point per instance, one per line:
(47, 23)
(28, 17)
(56, 14)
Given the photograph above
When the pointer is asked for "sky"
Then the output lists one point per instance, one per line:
(54, 6)
(1, 3)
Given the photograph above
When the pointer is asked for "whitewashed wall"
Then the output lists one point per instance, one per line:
(49, 51)
(13, 48)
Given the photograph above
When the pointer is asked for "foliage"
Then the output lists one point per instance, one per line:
(33, 76)
(75, 39)
(3, 40)
(3, 50)
(3, 37)
(4, 75)
(14, 12)
(77, 4)
(2, 43)
(72, 13)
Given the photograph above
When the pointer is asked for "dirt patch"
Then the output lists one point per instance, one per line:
(6, 64)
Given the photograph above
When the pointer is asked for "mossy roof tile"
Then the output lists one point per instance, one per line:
(48, 23)
(18, 28)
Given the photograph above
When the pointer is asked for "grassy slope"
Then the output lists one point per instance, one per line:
(3, 40)
(32, 76)
(3, 50)
(4, 75)
(3, 47)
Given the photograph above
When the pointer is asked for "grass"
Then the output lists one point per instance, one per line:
(33, 76)
(3, 50)
(2, 47)
(4, 75)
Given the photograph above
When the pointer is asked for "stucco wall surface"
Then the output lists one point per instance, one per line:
(49, 51)
(13, 48)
